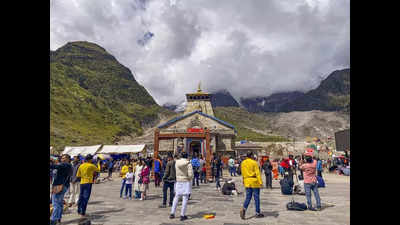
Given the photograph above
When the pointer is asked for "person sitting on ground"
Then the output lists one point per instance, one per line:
(286, 184)
(229, 188)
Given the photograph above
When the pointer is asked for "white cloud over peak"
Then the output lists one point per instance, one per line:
(250, 48)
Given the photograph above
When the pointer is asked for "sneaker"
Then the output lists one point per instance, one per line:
(259, 215)
(171, 216)
(311, 209)
(242, 213)
(163, 206)
(183, 218)
(318, 209)
(130, 198)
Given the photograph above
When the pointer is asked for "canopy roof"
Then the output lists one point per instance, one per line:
(82, 150)
(248, 145)
(121, 149)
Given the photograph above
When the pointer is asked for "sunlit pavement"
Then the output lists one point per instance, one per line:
(105, 206)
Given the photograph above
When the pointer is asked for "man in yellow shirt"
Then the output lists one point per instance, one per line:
(124, 170)
(252, 182)
(86, 172)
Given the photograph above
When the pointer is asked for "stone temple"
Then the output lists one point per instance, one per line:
(198, 118)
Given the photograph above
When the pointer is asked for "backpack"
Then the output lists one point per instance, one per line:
(296, 206)
(321, 182)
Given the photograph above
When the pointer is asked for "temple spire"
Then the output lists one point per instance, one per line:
(199, 89)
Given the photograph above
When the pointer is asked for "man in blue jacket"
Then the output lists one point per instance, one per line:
(319, 167)
(196, 169)
(157, 171)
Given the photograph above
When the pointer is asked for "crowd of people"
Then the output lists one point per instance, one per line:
(179, 174)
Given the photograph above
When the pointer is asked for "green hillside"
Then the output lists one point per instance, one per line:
(93, 98)
(243, 120)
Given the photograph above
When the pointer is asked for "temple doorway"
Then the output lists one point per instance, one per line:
(195, 148)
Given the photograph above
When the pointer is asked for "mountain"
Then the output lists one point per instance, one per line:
(263, 126)
(94, 99)
(333, 94)
(272, 103)
(170, 106)
(223, 98)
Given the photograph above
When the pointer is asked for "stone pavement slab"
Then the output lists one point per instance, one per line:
(105, 206)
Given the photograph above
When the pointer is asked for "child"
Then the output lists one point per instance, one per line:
(129, 181)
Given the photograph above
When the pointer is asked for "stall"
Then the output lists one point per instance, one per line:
(117, 150)
(81, 150)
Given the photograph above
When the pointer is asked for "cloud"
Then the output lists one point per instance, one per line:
(250, 48)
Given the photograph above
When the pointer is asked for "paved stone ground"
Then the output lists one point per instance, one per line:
(105, 206)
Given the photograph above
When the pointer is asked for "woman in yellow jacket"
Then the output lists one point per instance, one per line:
(252, 182)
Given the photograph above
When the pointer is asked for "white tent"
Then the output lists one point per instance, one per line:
(82, 150)
(122, 149)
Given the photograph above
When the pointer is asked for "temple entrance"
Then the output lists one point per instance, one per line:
(199, 137)
(195, 148)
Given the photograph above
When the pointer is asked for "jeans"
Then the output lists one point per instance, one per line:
(202, 177)
(122, 187)
(249, 193)
(196, 176)
(319, 172)
(157, 179)
(314, 187)
(58, 205)
(218, 185)
(167, 185)
(268, 180)
(137, 194)
(232, 170)
(84, 195)
(128, 189)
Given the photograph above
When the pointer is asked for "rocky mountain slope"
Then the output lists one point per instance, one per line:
(333, 94)
(296, 124)
(94, 99)
(223, 98)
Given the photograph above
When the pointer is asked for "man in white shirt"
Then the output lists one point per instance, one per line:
(231, 164)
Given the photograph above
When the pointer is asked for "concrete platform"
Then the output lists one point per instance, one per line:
(105, 206)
